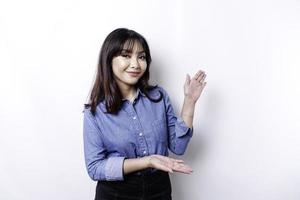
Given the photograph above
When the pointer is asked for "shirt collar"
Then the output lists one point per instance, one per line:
(138, 92)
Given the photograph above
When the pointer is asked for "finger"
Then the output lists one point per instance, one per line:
(183, 171)
(186, 172)
(188, 168)
(202, 85)
(197, 74)
(188, 79)
(164, 168)
(200, 72)
(167, 169)
(170, 161)
(179, 167)
(182, 167)
(201, 77)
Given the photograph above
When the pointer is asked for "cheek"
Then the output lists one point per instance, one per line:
(143, 65)
(119, 64)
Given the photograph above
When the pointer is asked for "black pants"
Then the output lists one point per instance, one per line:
(155, 186)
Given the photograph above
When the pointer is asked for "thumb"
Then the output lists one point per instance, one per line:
(187, 79)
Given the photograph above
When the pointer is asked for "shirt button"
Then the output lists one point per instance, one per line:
(145, 152)
(140, 134)
(134, 117)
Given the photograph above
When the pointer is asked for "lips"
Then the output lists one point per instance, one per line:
(134, 73)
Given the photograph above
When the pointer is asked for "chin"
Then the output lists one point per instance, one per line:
(132, 82)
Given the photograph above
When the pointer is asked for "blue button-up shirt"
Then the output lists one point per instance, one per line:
(141, 128)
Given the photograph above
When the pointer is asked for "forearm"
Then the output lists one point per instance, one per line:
(187, 112)
(135, 164)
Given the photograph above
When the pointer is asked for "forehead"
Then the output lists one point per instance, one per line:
(133, 45)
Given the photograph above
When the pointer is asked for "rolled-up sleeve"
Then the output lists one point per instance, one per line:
(179, 133)
(181, 129)
(98, 166)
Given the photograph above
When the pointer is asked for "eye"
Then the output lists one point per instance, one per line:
(125, 55)
(143, 57)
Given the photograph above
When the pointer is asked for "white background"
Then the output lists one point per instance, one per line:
(246, 143)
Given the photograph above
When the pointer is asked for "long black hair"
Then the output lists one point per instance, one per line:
(105, 87)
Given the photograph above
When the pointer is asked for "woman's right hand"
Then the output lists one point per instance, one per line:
(168, 164)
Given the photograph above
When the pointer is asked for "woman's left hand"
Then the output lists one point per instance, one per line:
(193, 87)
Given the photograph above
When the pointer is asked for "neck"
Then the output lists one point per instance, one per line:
(128, 92)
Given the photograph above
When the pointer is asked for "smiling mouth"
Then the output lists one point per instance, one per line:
(134, 73)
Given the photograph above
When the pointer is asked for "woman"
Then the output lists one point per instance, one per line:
(129, 125)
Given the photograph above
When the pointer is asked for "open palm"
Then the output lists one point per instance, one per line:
(193, 87)
(169, 164)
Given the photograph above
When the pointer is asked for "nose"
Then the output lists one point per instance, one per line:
(134, 62)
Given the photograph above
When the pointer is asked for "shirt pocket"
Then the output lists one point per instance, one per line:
(159, 128)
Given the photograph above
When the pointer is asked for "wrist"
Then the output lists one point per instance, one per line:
(146, 161)
(187, 115)
(189, 100)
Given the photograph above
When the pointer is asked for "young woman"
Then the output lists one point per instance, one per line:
(129, 125)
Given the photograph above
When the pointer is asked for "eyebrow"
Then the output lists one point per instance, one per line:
(130, 51)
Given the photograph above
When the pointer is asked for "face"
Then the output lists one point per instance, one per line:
(129, 66)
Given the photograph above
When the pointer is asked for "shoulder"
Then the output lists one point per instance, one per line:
(156, 91)
(87, 111)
